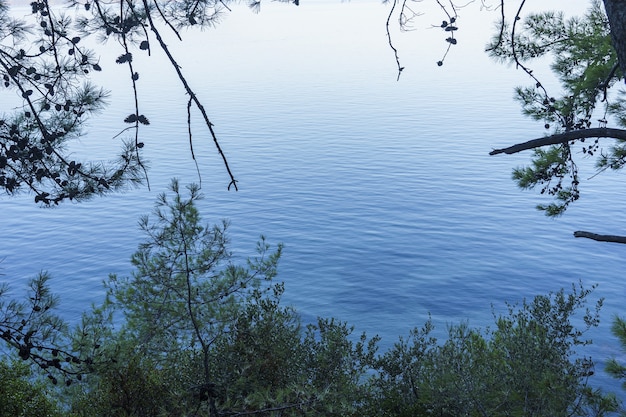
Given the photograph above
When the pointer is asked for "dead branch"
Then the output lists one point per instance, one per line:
(601, 238)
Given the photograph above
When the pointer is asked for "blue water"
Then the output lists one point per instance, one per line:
(383, 192)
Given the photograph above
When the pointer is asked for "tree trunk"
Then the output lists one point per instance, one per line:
(616, 12)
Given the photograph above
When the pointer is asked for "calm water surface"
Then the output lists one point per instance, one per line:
(382, 192)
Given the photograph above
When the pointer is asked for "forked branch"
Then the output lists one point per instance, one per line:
(192, 96)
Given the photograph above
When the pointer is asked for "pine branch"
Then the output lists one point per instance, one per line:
(599, 132)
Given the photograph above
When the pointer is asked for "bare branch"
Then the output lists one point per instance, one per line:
(502, 26)
(395, 51)
(599, 132)
(601, 238)
(193, 155)
(192, 95)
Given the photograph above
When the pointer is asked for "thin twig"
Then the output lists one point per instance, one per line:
(395, 51)
(133, 78)
(502, 25)
(192, 95)
(604, 86)
(193, 155)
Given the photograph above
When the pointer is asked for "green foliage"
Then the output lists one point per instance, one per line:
(256, 365)
(192, 332)
(315, 372)
(396, 389)
(185, 297)
(541, 339)
(31, 329)
(583, 58)
(613, 367)
(336, 365)
(585, 64)
(21, 395)
(46, 72)
(527, 365)
(550, 167)
(43, 60)
(128, 385)
(184, 270)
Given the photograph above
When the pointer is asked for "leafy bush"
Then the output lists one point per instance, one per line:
(526, 366)
(200, 333)
(191, 332)
(21, 396)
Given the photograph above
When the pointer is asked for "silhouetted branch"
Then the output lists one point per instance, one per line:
(193, 154)
(405, 19)
(518, 63)
(166, 20)
(599, 132)
(30, 329)
(607, 82)
(502, 26)
(450, 17)
(134, 76)
(192, 95)
(393, 48)
(601, 238)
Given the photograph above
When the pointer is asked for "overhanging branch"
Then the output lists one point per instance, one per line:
(599, 132)
(601, 238)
